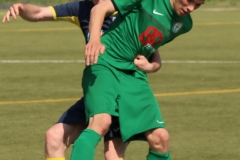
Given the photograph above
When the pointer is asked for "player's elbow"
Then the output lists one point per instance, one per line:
(105, 7)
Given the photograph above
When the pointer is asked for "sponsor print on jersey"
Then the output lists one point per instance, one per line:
(176, 27)
(151, 37)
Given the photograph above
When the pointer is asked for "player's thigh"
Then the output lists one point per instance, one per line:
(74, 114)
(138, 106)
(101, 89)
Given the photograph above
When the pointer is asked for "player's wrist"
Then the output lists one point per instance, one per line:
(147, 68)
(150, 68)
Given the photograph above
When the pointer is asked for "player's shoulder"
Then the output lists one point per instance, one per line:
(187, 22)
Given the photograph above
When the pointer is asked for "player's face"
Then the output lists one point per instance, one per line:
(184, 7)
(97, 1)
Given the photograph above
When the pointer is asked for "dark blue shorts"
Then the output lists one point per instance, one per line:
(76, 114)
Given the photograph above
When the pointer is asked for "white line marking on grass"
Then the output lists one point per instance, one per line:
(75, 28)
(83, 61)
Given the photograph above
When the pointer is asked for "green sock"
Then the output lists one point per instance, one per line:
(84, 146)
(153, 155)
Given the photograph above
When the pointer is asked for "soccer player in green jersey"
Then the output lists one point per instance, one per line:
(113, 87)
(72, 122)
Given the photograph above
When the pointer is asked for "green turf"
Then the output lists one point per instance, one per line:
(202, 126)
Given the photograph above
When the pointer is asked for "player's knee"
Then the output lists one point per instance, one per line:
(158, 140)
(107, 120)
(101, 121)
(54, 140)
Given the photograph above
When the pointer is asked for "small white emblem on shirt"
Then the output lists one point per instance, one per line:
(155, 12)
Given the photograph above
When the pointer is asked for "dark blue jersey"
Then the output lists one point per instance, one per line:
(79, 14)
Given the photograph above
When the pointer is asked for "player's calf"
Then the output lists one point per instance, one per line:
(60, 136)
(54, 146)
(114, 149)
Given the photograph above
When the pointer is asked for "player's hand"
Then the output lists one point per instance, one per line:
(142, 63)
(92, 50)
(12, 11)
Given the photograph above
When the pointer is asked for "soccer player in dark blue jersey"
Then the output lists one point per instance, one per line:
(72, 122)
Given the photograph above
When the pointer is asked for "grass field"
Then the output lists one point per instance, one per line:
(198, 87)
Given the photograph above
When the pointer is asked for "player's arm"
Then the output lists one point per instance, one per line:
(104, 8)
(149, 66)
(28, 12)
(94, 46)
(98, 12)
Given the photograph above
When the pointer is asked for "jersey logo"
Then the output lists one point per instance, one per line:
(160, 122)
(176, 27)
(151, 36)
(155, 12)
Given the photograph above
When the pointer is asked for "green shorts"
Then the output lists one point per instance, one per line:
(119, 93)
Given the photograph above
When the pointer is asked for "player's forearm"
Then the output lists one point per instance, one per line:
(150, 67)
(34, 13)
(153, 67)
(155, 61)
(98, 14)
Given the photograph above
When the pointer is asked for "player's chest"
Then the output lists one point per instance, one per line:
(157, 28)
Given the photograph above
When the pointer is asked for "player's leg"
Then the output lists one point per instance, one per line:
(141, 114)
(59, 137)
(99, 87)
(158, 140)
(84, 146)
(158, 136)
(114, 147)
(65, 131)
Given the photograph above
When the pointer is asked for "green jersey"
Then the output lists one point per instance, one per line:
(141, 27)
